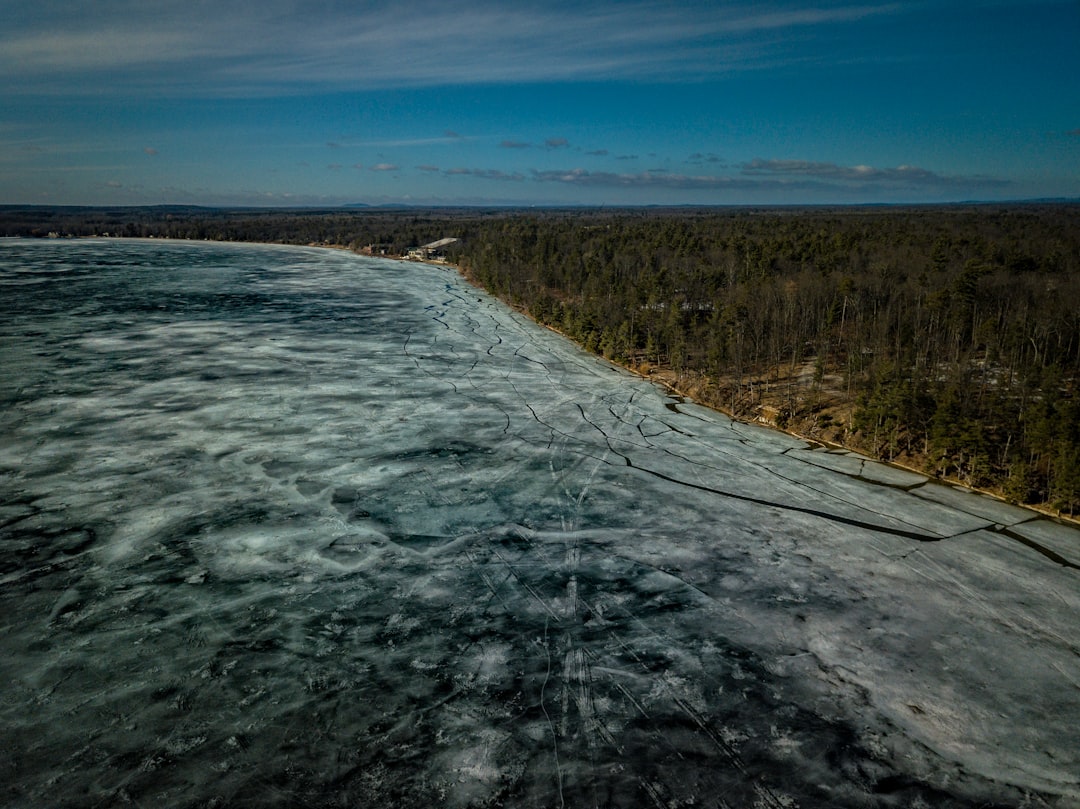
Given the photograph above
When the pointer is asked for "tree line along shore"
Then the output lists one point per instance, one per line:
(944, 338)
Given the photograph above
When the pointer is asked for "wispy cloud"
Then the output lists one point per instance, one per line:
(514, 144)
(556, 143)
(647, 179)
(780, 176)
(911, 176)
(383, 167)
(485, 174)
(284, 45)
(807, 168)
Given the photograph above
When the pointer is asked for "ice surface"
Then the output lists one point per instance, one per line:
(291, 527)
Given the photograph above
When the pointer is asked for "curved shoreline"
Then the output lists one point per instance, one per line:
(676, 391)
(666, 384)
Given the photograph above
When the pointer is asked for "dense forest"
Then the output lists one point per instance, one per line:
(946, 338)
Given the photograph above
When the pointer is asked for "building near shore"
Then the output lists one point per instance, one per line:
(431, 252)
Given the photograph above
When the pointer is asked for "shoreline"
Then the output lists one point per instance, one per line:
(671, 387)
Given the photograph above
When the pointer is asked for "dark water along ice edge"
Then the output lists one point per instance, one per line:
(288, 526)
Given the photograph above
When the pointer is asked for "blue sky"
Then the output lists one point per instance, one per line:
(327, 102)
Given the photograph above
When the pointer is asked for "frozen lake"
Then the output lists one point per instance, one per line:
(290, 527)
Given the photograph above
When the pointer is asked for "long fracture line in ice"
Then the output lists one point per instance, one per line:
(551, 725)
